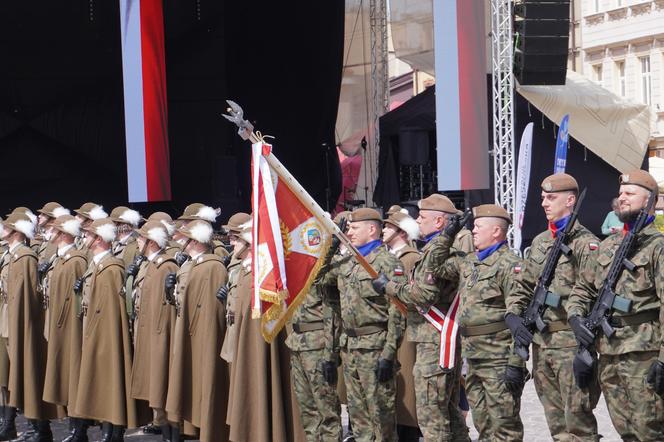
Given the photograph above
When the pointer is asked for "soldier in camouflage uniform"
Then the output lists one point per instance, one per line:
(320, 410)
(496, 376)
(373, 328)
(436, 388)
(631, 362)
(568, 409)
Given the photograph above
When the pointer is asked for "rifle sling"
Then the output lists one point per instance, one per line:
(555, 326)
(639, 318)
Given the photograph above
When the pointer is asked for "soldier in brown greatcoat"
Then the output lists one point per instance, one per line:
(124, 247)
(65, 327)
(105, 376)
(154, 323)
(27, 346)
(198, 377)
(399, 230)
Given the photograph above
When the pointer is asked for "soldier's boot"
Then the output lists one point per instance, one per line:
(42, 432)
(80, 432)
(106, 432)
(166, 433)
(175, 434)
(8, 427)
(118, 433)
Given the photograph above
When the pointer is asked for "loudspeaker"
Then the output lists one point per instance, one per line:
(413, 147)
(541, 41)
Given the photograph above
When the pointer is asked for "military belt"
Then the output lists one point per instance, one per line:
(484, 329)
(639, 318)
(366, 330)
(308, 326)
(555, 326)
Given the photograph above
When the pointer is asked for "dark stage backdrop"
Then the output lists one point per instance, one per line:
(61, 108)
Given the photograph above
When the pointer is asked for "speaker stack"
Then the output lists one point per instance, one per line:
(541, 41)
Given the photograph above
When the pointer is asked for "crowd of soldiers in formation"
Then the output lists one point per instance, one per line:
(119, 321)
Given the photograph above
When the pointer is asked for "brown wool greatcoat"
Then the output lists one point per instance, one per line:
(153, 328)
(406, 412)
(262, 407)
(198, 377)
(105, 376)
(65, 330)
(27, 346)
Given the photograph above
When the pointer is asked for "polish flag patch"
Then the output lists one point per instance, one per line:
(398, 271)
(593, 246)
(517, 269)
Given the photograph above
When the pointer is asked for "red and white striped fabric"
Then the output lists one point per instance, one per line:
(144, 79)
(449, 329)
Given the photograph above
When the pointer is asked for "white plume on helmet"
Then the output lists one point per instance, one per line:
(106, 232)
(25, 227)
(72, 227)
(59, 211)
(201, 232)
(410, 226)
(170, 227)
(32, 217)
(159, 236)
(245, 231)
(130, 216)
(207, 213)
(97, 212)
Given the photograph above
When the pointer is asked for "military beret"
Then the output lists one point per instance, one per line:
(639, 178)
(438, 202)
(235, 221)
(491, 211)
(365, 214)
(560, 182)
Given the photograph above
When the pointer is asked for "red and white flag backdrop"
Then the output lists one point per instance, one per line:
(288, 247)
(145, 106)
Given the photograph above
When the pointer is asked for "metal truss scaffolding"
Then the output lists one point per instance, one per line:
(503, 106)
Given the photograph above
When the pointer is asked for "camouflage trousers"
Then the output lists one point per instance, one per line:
(437, 396)
(568, 409)
(371, 404)
(320, 410)
(495, 410)
(636, 411)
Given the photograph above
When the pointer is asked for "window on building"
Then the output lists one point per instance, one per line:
(646, 80)
(622, 84)
(598, 73)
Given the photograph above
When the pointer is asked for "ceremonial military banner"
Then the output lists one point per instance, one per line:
(289, 241)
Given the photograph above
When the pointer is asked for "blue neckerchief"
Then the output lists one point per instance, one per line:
(369, 247)
(558, 226)
(431, 236)
(484, 254)
(650, 219)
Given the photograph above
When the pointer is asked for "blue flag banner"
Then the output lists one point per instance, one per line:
(561, 146)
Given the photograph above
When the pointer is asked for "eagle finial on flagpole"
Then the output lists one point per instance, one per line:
(236, 115)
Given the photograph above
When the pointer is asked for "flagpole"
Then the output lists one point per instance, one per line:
(246, 132)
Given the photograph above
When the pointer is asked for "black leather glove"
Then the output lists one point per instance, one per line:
(132, 270)
(656, 377)
(169, 287)
(181, 258)
(582, 334)
(329, 370)
(384, 370)
(515, 379)
(336, 242)
(227, 260)
(78, 285)
(42, 268)
(583, 374)
(379, 283)
(222, 293)
(456, 223)
(522, 336)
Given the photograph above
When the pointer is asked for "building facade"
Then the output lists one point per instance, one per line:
(622, 48)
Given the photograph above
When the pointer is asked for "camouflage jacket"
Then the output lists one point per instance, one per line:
(361, 306)
(584, 247)
(483, 287)
(311, 311)
(332, 310)
(425, 288)
(644, 287)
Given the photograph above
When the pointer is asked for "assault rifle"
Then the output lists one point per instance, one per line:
(607, 300)
(542, 297)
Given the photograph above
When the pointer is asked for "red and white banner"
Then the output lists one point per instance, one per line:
(448, 328)
(144, 80)
(289, 242)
